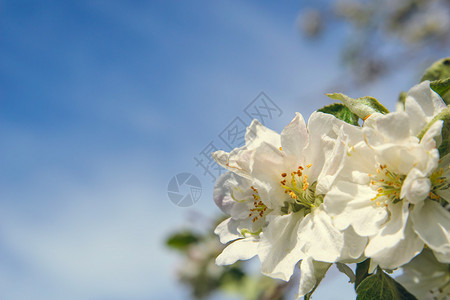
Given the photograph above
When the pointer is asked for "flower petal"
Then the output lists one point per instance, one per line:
(322, 127)
(268, 164)
(239, 159)
(312, 272)
(294, 137)
(416, 187)
(351, 204)
(227, 230)
(242, 249)
(333, 165)
(432, 224)
(428, 139)
(397, 243)
(424, 276)
(278, 249)
(318, 238)
(422, 104)
(221, 192)
(392, 127)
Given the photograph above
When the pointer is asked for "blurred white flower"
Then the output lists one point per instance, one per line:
(426, 278)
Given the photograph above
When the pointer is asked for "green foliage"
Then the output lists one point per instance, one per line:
(362, 271)
(363, 107)
(182, 240)
(444, 147)
(340, 111)
(442, 86)
(381, 286)
(439, 74)
(438, 70)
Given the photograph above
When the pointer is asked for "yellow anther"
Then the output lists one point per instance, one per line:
(305, 183)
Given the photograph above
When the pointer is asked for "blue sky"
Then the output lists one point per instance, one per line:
(102, 102)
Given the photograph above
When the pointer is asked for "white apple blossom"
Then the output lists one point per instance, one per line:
(284, 179)
(393, 188)
(426, 278)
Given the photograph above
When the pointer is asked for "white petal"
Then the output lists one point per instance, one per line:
(416, 187)
(278, 249)
(320, 124)
(321, 127)
(351, 204)
(432, 224)
(257, 132)
(354, 246)
(239, 159)
(333, 164)
(312, 273)
(242, 249)
(268, 164)
(424, 274)
(221, 192)
(428, 100)
(295, 136)
(417, 117)
(393, 127)
(441, 257)
(402, 158)
(227, 231)
(397, 243)
(318, 238)
(359, 163)
(428, 139)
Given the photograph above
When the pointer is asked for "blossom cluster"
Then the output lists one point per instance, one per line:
(335, 190)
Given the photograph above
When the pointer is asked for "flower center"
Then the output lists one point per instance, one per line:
(438, 183)
(388, 185)
(259, 208)
(299, 189)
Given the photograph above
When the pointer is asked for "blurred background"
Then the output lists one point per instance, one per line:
(102, 103)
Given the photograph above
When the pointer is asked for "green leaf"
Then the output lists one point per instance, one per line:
(381, 286)
(182, 240)
(362, 271)
(363, 107)
(437, 74)
(438, 70)
(441, 86)
(341, 112)
(444, 115)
